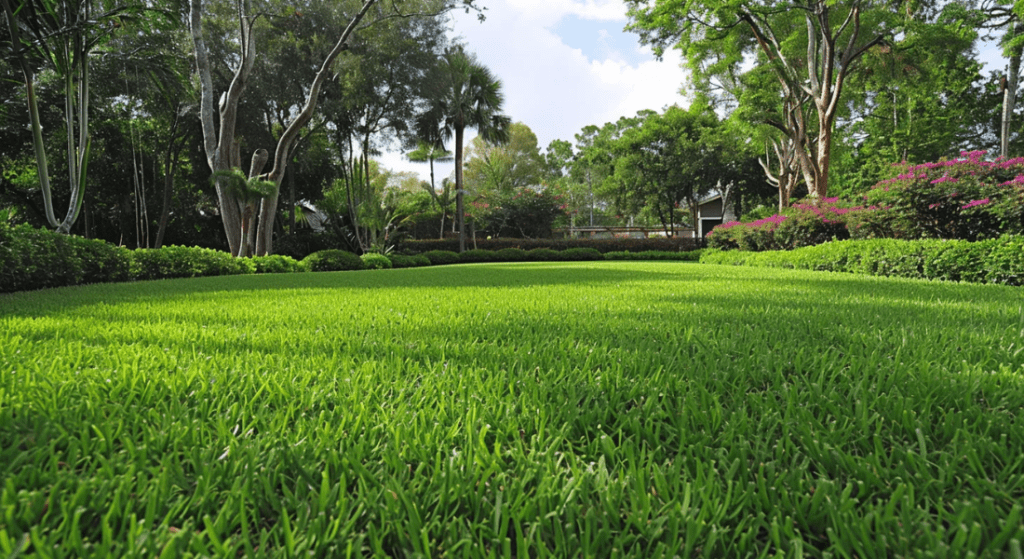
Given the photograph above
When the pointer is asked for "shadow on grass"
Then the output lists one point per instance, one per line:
(40, 303)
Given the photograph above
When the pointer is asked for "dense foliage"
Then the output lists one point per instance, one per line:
(999, 260)
(605, 409)
(965, 198)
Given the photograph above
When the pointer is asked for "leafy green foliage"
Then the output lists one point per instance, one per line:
(333, 260)
(477, 255)
(692, 256)
(442, 257)
(405, 261)
(277, 264)
(524, 214)
(33, 258)
(580, 254)
(635, 409)
(376, 261)
(511, 255)
(993, 261)
(601, 245)
(186, 262)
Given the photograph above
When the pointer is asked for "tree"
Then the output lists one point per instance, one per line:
(464, 95)
(221, 147)
(669, 161)
(811, 46)
(429, 153)
(504, 168)
(63, 35)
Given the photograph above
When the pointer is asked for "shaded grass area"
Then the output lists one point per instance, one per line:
(591, 409)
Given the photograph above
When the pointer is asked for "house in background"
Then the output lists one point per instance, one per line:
(714, 209)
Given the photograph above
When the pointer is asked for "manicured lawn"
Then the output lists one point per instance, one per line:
(591, 409)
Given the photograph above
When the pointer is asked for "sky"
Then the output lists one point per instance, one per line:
(566, 64)
(563, 64)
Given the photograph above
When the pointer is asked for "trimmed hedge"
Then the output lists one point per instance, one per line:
(438, 257)
(186, 262)
(403, 261)
(333, 260)
(375, 261)
(478, 255)
(692, 256)
(992, 261)
(277, 264)
(677, 244)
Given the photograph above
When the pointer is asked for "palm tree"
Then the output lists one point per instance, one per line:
(465, 95)
(426, 152)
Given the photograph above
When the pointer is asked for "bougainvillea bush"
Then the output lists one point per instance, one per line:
(802, 224)
(967, 198)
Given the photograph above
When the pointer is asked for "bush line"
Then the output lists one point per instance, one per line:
(999, 260)
(33, 258)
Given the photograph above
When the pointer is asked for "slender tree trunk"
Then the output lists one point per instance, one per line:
(1010, 93)
(459, 208)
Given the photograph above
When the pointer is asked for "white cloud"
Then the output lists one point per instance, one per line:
(554, 88)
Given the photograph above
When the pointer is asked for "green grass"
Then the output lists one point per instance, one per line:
(531, 410)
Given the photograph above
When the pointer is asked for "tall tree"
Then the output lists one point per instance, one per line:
(426, 152)
(62, 35)
(221, 147)
(464, 95)
(669, 161)
(504, 168)
(811, 46)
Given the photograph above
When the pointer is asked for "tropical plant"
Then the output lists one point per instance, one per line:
(61, 35)
(248, 191)
(465, 95)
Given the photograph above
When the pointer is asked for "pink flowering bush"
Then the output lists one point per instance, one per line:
(967, 198)
(964, 198)
(803, 224)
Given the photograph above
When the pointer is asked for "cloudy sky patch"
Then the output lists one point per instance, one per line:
(564, 64)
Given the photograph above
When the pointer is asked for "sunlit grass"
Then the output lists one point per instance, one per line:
(590, 409)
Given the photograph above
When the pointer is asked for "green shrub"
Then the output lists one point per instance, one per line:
(1005, 263)
(510, 255)
(376, 261)
(277, 264)
(438, 257)
(542, 255)
(602, 245)
(580, 254)
(406, 261)
(993, 261)
(332, 260)
(478, 255)
(33, 258)
(692, 256)
(401, 261)
(186, 262)
(101, 261)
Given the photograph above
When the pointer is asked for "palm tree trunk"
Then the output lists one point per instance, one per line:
(459, 209)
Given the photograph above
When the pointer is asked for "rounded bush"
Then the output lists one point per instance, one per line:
(405, 261)
(542, 255)
(478, 255)
(437, 257)
(332, 260)
(510, 255)
(186, 262)
(277, 264)
(375, 261)
(33, 258)
(580, 254)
